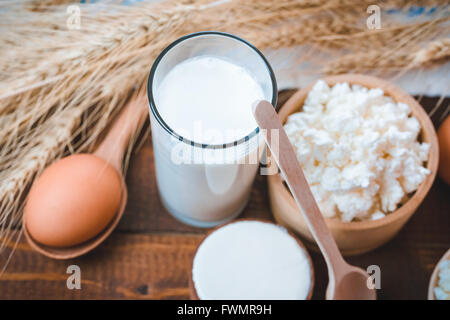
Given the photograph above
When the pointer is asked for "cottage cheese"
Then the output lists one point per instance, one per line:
(442, 291)
(358, 149)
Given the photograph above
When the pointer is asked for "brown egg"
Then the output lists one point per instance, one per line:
(72, 201)
(444, 150)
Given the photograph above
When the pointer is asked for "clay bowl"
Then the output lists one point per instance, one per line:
(193, 292)
(435, 276)
(356, 237)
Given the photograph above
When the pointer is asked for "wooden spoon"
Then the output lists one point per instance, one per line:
(111, 150)
(345, 281)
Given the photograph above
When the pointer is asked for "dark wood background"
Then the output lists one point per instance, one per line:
(149, 254)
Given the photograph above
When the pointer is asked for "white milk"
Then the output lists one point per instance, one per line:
(211, 95)
(206, 100)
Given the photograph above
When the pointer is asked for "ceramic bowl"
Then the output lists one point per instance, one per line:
(192, 290)
(435, 276)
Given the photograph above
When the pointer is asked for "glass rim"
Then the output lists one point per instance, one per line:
(161, 121)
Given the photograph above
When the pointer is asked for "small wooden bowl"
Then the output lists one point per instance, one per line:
(193, 292)
(435, 276)
(361, 236)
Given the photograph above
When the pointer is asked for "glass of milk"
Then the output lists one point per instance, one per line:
(206, 142)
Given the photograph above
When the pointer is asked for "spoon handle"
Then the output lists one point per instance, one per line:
(116, 141)
(284, 155)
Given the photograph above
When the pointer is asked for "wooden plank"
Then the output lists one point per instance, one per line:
(155, 266)
(126, 266)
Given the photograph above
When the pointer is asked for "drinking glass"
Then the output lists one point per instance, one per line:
(194, 189)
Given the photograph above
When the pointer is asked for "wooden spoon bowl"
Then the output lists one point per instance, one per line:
(111, 152)
(362, 236)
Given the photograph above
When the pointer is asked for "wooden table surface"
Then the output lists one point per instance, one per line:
(149, 254)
